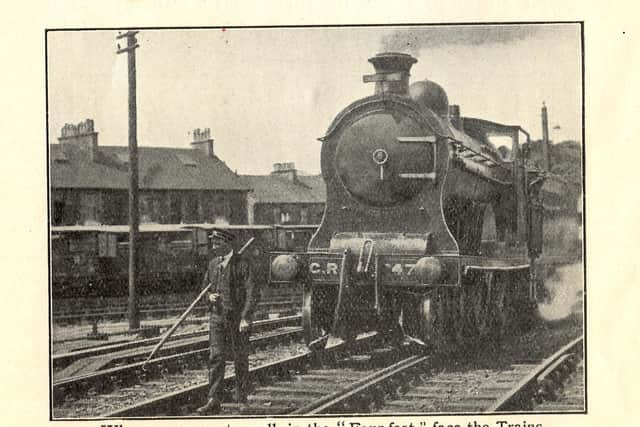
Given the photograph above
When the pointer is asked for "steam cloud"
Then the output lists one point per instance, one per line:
(412, 40)
(565, 292)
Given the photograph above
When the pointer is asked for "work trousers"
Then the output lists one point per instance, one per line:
(225, 339)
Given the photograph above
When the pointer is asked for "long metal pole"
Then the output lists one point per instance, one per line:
(134, 217)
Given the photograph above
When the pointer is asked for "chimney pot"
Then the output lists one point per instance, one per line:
(287, 170)
(202, 141)
(80, 138)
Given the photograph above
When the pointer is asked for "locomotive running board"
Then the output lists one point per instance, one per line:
(519, 267)
(504, 268)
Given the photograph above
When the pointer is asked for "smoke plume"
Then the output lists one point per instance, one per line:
(412, 40)
(564, 288)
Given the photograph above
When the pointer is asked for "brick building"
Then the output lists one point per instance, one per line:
(285, 197)
(89, 183)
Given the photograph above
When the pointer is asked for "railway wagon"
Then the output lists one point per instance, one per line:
(430, 232)
(92, 261)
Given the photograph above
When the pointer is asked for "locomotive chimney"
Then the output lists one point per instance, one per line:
(392, 73)
(454, 116)
(545, 138)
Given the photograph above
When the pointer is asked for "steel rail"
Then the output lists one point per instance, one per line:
(111, 375)
(521, 393)
(196, 393)
(339, 397)
(64, 359)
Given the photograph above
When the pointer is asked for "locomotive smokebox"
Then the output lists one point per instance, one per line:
(392, 73)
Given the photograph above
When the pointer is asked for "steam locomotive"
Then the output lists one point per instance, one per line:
(430, 232)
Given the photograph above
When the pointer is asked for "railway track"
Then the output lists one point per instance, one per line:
(569, 398)
(382, 381)
(404, 386)
(134, 372)
(64, 359)
(545, 382)
(516, 387)
(338, 364)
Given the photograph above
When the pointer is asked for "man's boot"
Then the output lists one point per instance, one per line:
(212, 407)
(241, 396)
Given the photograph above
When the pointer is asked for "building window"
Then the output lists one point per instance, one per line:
(219, 211)
(146, 208)
(285, 217)
(89, 208)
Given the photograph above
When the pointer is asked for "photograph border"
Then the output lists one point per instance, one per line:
(581, 24)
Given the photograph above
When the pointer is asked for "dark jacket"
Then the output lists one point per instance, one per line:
(236, 284)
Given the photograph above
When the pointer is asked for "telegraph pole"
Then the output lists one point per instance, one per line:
(134, 216)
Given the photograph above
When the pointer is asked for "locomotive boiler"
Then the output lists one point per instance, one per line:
(430, 232)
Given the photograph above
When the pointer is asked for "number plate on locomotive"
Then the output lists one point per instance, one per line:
(396, 270)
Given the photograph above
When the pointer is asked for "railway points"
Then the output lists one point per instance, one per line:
(372, 379)
(69, 393)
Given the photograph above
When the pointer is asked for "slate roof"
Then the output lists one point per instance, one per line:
(159, 169)
(277, 189)
(317, 185)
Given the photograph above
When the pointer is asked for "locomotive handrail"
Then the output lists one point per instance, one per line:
(344, 278)
(461, 147)
(359, 268)
(468, 268)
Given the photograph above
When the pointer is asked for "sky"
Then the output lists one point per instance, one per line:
(267, 94)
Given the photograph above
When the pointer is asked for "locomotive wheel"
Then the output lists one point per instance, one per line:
(447, 324)
(480, 296)
(389, 320)
(438, 324)
(499, 310)
(456, 310)
(316, 318)
(521, 308)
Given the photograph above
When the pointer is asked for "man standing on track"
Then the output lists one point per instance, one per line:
(232, 301)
